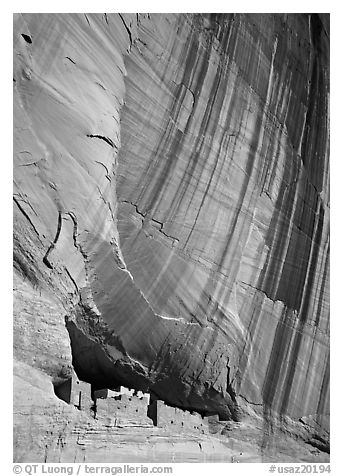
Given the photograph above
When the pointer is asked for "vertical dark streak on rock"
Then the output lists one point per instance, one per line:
(323, 287)
(276, 360)
(172, 141)
(311, 267)
(210, 286)
(197, 159)
(325, 387)
(315, 135)
(294, 351)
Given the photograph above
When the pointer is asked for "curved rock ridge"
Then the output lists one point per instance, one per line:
(172, 206)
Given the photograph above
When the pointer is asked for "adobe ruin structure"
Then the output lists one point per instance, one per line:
(127, 407)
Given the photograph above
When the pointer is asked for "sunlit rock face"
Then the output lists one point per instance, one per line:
(171, 204)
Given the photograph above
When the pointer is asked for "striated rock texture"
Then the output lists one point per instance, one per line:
(171, 208)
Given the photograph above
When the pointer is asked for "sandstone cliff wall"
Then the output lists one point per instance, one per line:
(171, 206)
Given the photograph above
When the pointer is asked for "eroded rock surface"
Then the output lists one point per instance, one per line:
(171, 208)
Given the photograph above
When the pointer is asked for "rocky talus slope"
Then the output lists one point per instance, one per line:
(171, 218)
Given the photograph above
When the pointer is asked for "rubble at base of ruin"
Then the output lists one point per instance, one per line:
(127, 407)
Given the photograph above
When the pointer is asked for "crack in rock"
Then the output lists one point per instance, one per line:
(104, 138)
(53, 244)
(251, 403)
(153, 221)
(127, 28)
(68, 58)
(25, 215)
(100, 163)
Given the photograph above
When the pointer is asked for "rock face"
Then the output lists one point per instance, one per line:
(171, 208)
